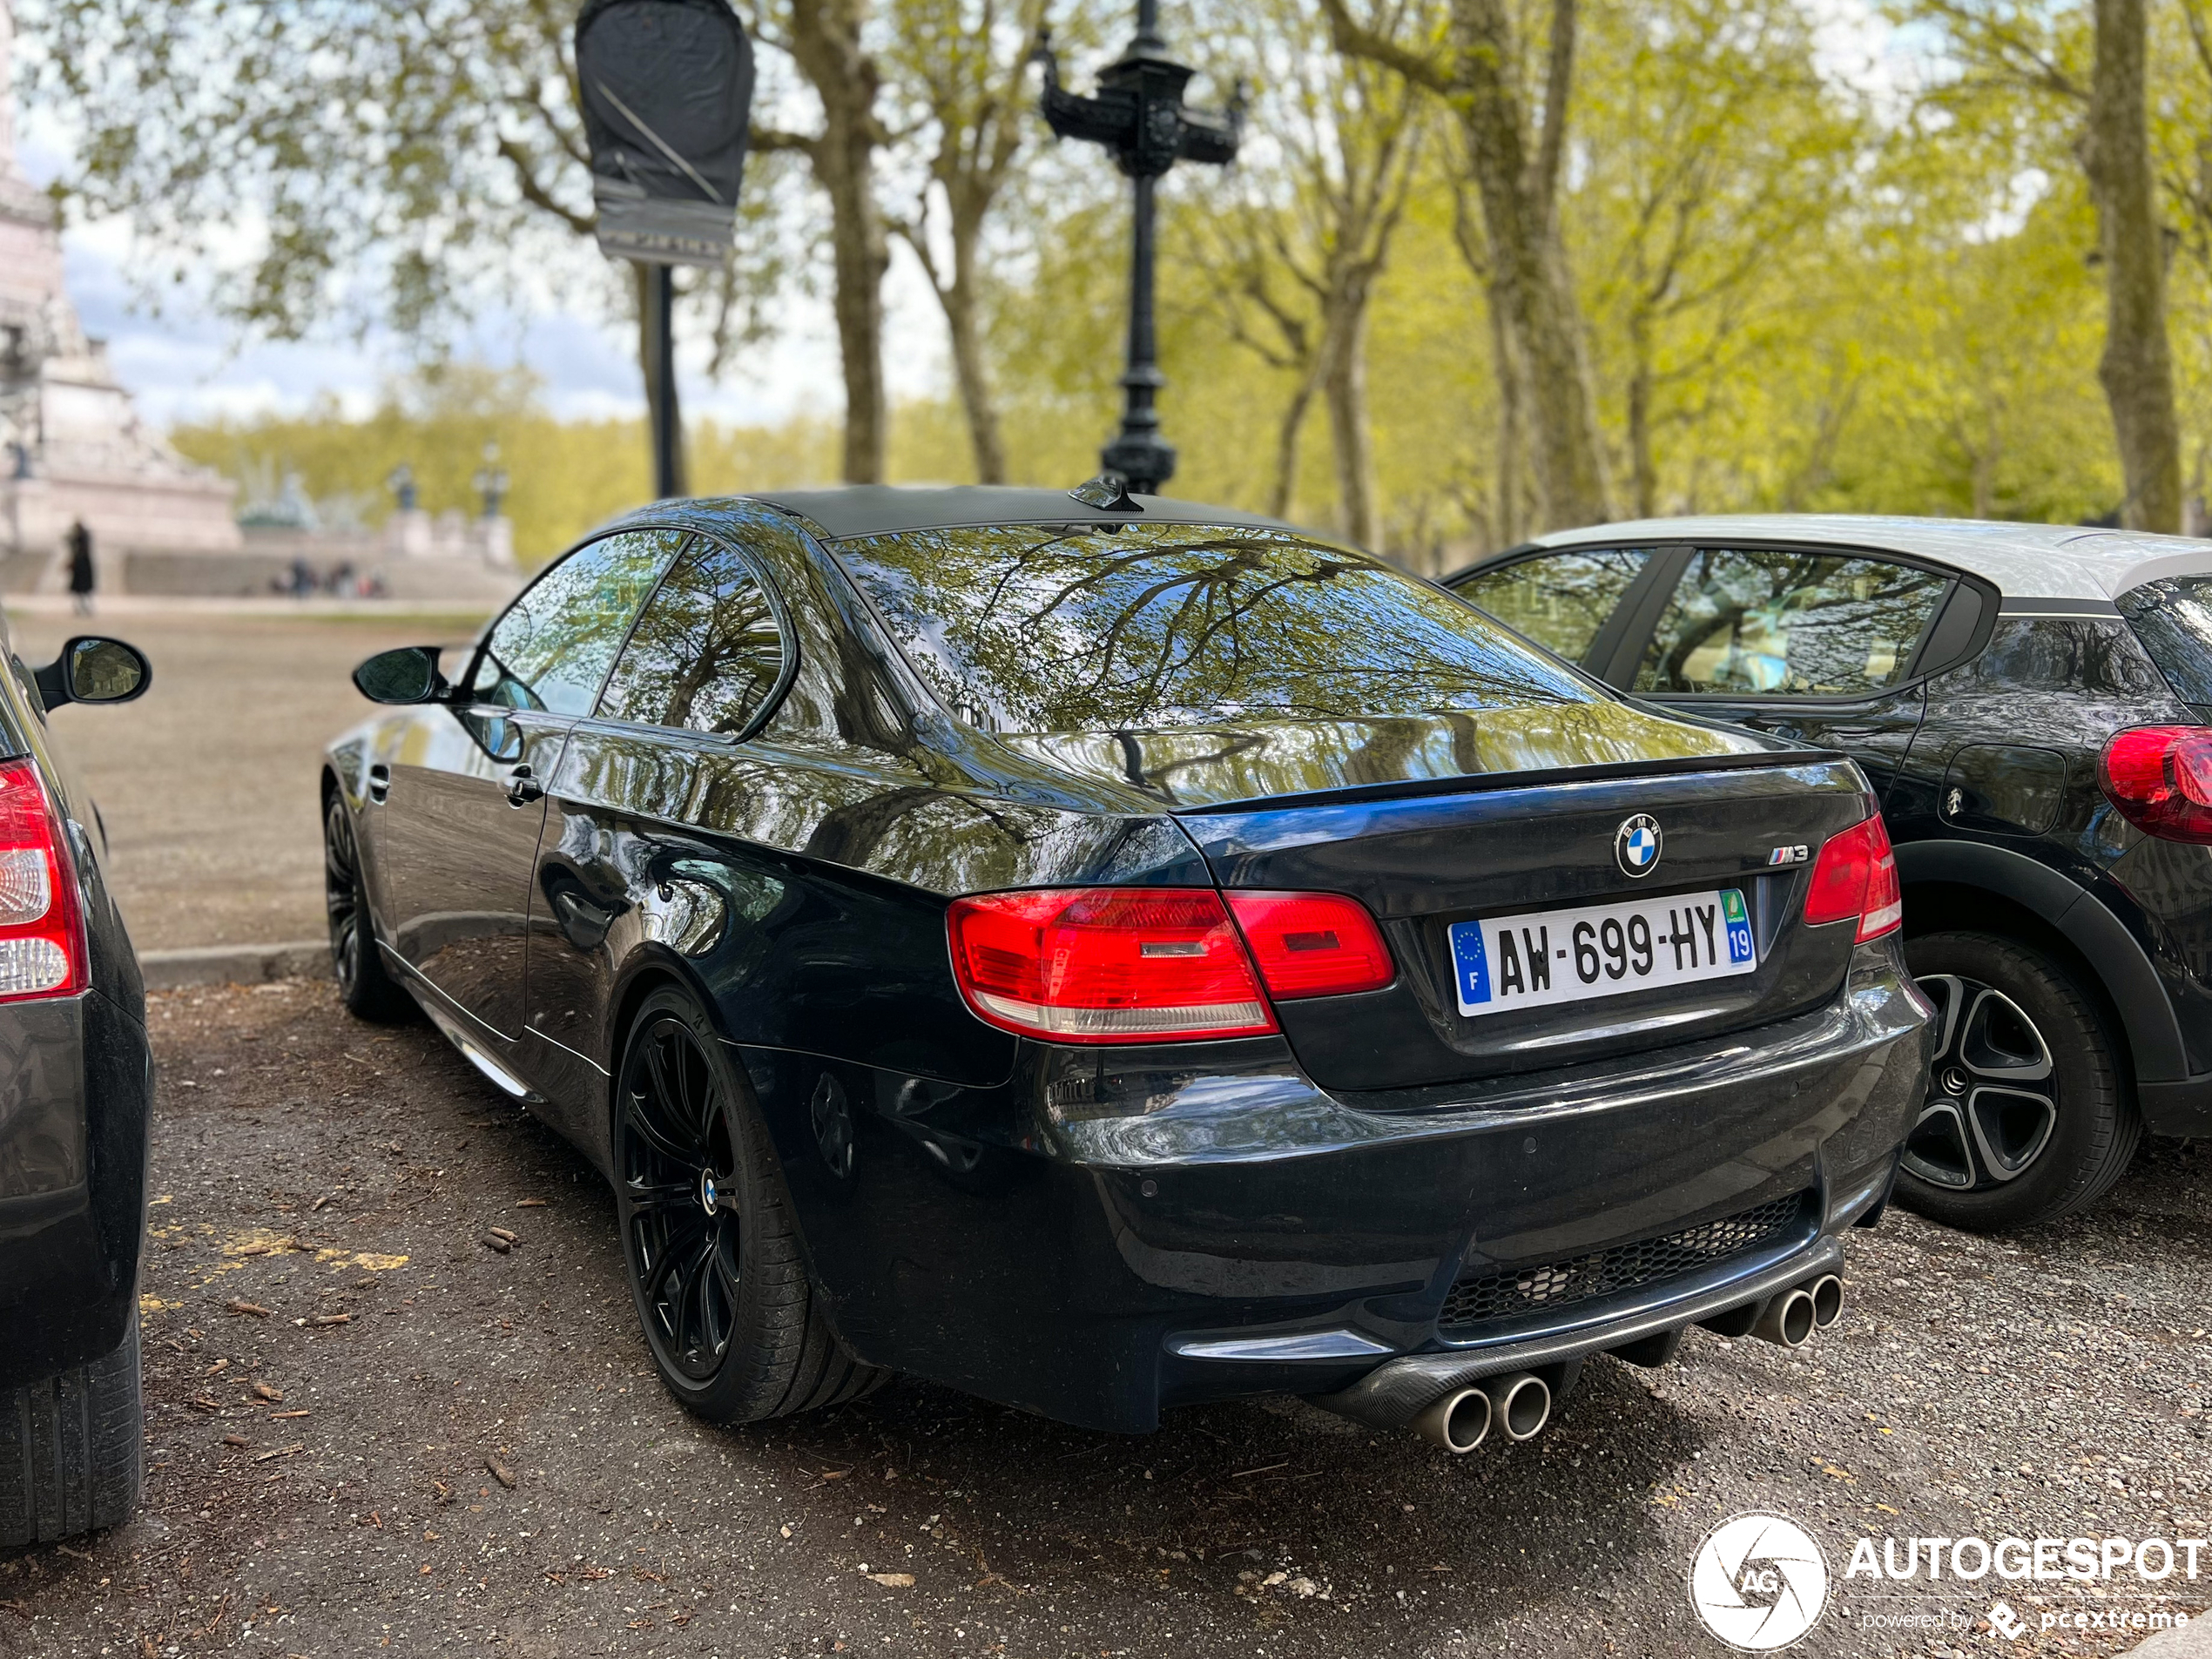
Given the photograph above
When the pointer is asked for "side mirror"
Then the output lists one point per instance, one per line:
(92, 670)
(406, 674)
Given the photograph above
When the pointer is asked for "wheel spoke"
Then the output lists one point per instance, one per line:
(2011, 1128)
(646, 1197)
(640, 1120)
(1939, 1149)
(2000, 1042)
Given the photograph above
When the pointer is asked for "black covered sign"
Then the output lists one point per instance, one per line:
(667, 86)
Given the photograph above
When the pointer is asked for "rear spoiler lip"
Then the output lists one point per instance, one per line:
(1354, 794)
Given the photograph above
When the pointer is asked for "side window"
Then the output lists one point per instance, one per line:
(706, 652)
(1560, 600)
(553, 647)
(1780, 623)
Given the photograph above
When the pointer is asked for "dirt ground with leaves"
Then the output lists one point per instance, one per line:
(371, 1426)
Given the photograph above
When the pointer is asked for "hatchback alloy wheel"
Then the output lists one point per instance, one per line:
(681, 1184)
(1993, 1092)
(341, 894)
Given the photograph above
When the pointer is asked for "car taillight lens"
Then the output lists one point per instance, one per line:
(1856, 876)
(1313, 944)
(1107, 964)
(2160, 777)
(41, 933)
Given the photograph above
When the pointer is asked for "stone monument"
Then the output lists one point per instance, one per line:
(72, 445)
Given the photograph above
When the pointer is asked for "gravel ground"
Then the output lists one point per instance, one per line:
(470, 1452)
(208, 782)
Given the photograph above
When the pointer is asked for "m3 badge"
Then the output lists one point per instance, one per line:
(1797, 855)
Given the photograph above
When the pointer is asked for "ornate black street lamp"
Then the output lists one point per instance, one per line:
(1139, 116)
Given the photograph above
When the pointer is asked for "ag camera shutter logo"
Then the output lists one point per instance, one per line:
(1759, 1582)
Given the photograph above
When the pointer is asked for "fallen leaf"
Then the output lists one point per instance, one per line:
(529, 1204)
(501, 1232)
(894, 1581)
(499, 1472)
(234, 1439)
(265, 1392)
(499, 1244)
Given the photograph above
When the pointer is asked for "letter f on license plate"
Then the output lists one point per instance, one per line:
(1546, 956)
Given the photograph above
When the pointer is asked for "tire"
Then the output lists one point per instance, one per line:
(2030, 1114)
(715, 1267)
(71, 1454)
(364, 986)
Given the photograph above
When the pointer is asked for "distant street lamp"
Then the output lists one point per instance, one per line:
(1139, 116)
(490, 480)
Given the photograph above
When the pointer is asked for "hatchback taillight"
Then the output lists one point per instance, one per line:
(42, 932)
(1156, 964)
(1856, 877)
(2160, 777)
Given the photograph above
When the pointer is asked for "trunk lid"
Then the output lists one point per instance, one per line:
(1537, 848)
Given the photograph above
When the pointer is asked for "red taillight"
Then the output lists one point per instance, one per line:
(1856, 876)
(1313, 944)
(42, 935)
(2160, 777)
(1107, 964)
(1157, 964)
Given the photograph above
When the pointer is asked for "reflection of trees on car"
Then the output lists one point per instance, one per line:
(1172, 625)
(1794, 622)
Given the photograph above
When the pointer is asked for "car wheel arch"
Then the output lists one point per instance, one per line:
(1972, 885)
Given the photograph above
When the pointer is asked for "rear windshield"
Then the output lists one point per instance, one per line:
(2173, 618)
(1052, 628)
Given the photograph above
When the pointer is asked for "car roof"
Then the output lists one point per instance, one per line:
(884, 510)
(2048, 561)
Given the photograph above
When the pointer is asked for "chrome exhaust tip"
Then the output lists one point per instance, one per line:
(1457, 1421)
(1788, 1319)
(1827, 1293)
(1520, 1402)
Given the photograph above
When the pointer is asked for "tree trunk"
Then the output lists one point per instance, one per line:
(1507, 373)
(976, 400)
(1529, 278)
(1644, 468)
(1286, 441)
(825, 44)
(2137, 367)
(1345, 384)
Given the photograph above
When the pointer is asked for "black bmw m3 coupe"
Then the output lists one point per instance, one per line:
(1107, 956)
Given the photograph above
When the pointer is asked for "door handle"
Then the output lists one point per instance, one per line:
(379, 781)
(522, 787)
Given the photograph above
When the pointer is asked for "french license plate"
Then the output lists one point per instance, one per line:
(1545, 956)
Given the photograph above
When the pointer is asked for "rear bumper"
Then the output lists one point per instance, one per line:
(1170, 1226)
(76, 1078)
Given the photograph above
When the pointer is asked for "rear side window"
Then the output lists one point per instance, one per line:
(1780, 623)
(1052, 628)
(554, 646)
(705, 653)
(1560, 600)
(2173, 618)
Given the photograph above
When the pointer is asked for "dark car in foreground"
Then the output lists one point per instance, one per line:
(76, 1092)
(1102, 957)
(2034, 705)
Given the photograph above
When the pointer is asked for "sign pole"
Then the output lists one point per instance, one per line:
(667, 414)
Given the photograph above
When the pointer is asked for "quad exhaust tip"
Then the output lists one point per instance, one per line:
(1793, 1316)
(1518, 1405)
(1522, 1402)
(1457, 1421)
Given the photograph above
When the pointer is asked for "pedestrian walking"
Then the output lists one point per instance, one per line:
(81, 578)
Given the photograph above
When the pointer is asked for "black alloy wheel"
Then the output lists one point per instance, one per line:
(2027, 1115)
(364, 987)
(715, 1270)
(681, 1197)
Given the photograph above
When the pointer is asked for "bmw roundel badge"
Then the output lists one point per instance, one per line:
(1636, 845)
